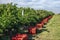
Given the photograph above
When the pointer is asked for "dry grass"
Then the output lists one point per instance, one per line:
(53, 27)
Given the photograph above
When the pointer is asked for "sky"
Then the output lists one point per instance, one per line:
(52, 5)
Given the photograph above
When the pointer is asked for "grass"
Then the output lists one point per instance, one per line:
(53, 26)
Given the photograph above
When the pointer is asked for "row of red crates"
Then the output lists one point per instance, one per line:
(31, 30)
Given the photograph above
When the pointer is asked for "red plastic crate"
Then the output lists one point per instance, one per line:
(14, 38)
(45, 20)
(39, 25)
(50, 17)
(32, 30)
(20, 37)
(42, 22)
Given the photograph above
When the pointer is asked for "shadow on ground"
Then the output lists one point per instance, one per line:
(31, 37)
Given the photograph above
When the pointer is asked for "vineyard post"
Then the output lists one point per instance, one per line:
(22, 12)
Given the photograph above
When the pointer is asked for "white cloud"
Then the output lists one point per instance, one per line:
(5, 1)
(37, 4)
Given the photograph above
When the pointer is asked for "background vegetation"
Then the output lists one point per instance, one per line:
(11, 19)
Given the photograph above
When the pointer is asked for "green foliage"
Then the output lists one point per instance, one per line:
(11, 16)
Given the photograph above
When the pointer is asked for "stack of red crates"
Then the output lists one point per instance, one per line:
(20, 37)
(49, 17)
(32, 30)
(45, 20)
(39, 25)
